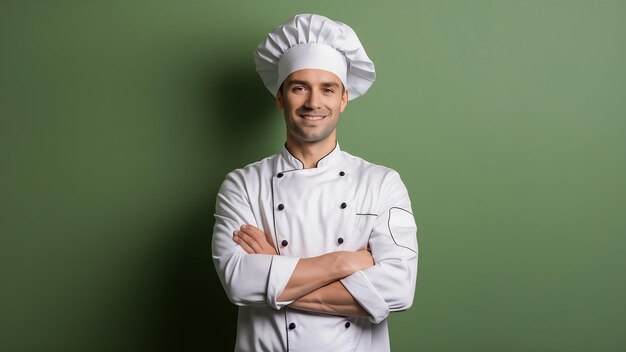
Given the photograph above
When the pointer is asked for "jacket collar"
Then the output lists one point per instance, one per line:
(328, 160)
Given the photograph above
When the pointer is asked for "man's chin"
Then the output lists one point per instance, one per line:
(315, 139)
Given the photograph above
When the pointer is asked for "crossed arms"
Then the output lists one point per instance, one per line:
(314, 284)
(359, 283)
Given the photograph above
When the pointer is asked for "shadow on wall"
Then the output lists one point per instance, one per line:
(245, 111)
(193, 312)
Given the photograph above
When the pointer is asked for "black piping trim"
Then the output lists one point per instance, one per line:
(366, 214)
(401, 209)
(326, 155)
(391, 233)
(289, 151)
(286, 328)
(274, 220)
(322, 158)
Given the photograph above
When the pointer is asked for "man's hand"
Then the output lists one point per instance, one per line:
(254, 241)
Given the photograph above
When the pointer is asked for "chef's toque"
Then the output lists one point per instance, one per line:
(309, 41)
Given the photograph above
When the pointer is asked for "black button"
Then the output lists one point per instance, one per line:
(347, 324)
(280, 174)
(281, 207)
(292, 326)
(342, 173)
(340, 240)
(343, 205)
(284, 243)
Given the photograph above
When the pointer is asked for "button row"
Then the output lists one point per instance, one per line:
(284, 243)
(280, 174)
(282, 206)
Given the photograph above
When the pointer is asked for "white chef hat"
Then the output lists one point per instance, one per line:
(314, 42)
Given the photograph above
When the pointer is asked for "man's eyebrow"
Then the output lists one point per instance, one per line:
(295, 81)
(305, 83)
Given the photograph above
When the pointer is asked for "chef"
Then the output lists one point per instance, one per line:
(316, 246)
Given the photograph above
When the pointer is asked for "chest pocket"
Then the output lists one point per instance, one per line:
(363, 226)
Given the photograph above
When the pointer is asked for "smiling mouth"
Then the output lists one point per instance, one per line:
(312, 117)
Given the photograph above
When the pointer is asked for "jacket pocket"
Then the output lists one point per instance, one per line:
(363, 226)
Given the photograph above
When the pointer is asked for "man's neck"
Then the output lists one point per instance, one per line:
(310, 153)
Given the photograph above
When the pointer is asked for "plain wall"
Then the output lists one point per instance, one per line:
(119, 121)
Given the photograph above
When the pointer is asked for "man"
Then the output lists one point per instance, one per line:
(314, 245)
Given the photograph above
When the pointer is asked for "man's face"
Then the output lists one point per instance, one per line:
(312, 101)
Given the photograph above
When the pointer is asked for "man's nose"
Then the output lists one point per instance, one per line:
(313, 100)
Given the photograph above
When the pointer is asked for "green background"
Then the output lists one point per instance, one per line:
(118, 122)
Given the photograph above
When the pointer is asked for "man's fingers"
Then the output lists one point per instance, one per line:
(255, 239)
(258, 234)
(242, 243)
(253, 232)
(249, 240)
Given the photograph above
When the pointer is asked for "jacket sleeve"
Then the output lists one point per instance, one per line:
(248, 279)
(389, 285)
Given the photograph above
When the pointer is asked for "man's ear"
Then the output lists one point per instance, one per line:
(344, 101)
(279, 99)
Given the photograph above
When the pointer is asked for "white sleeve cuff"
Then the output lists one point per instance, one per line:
(368, 297)
(281, 269)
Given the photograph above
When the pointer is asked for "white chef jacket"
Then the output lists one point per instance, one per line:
(344, 204)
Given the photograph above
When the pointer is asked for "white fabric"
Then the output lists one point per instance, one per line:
(378, 214)
(313, 55)
(314, 41)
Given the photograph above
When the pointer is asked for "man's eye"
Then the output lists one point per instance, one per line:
(298, 89)
(329, 90)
